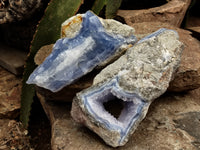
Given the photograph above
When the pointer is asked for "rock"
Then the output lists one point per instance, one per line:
(13, 136)
(136, 78)
(173, 13)
(189, 122)
(187, 76)
(43, 53)
(72, 58)
(159, 130)
(17, 10)
(12, 59)
(10, 89)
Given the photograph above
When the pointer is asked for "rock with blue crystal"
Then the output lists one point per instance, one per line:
(79, 52)
(135, 79)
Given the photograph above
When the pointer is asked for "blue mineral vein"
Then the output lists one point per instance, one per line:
(72, 58)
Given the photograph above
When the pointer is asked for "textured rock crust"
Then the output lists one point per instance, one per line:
(139, 76)
(173, 13)
(187, 76)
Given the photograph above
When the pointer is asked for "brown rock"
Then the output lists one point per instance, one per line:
(187, 76)
(173, 13)
(10, 89)
(159, 130)
(12, 59)
(13, 136)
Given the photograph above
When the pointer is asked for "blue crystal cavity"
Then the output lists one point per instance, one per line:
(72, 58)
(93, 100)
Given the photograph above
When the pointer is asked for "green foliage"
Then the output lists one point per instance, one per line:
(48, 31)
(98, 6)
(111, 7)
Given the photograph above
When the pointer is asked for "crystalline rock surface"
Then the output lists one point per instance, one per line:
(74, 57)
(136, 78)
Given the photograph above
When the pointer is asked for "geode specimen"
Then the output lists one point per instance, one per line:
(136, 79)
(79, 53)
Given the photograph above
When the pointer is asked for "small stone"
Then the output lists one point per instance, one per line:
(10, 89)
(12, 59)
(136, 78)
(43, 53)
(72, 58)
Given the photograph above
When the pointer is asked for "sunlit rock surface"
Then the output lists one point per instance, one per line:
(136, 78)
(79, 54)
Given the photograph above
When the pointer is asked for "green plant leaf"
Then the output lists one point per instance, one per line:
(48, 31)
(98, 6)
(111, 8)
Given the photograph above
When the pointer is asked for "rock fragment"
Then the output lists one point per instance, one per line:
(74, 57)
(136, 78)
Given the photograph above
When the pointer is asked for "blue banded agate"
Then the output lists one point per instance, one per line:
(72, 58)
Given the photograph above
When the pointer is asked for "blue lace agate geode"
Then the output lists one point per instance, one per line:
(136, 78)
(72, 58)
